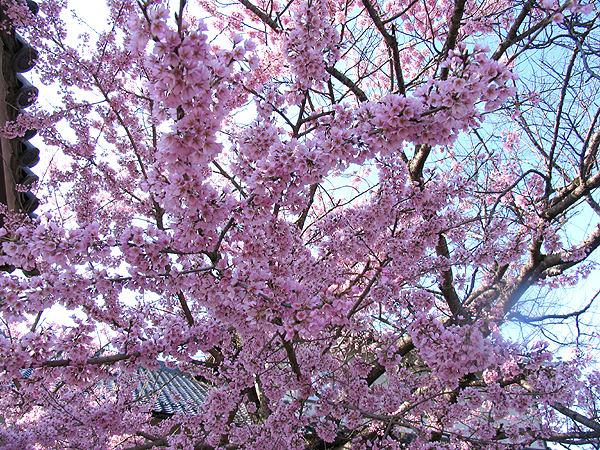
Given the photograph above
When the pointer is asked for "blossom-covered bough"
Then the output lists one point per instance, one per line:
(326, 211)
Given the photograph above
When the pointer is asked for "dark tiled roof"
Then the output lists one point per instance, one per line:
(177, 391)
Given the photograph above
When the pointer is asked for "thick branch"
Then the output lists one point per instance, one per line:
(404, 347)
(391, 42)
(574, 415)
(511, 37)
(348, 83)
(186, 309)
(447, 285)
(291, 354)
(557, 263)
(571, 195)
(417, 162)
(591, 152)
(311, 196)
(457, 14)
(90, 361)
(261, 15)
(575, 438)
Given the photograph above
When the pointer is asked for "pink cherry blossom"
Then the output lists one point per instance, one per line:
(326, 216)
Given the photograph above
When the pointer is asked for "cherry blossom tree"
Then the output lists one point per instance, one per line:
(326, 211)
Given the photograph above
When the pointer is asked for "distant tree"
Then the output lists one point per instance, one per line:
(326, 211)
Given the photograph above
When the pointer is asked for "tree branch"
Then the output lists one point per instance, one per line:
(186, 309)
(457, 14)
(90, 361)
(447, 284)
(348, 83)
(511, 37)
(261, 15)
(520, 317)
(391, 42)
